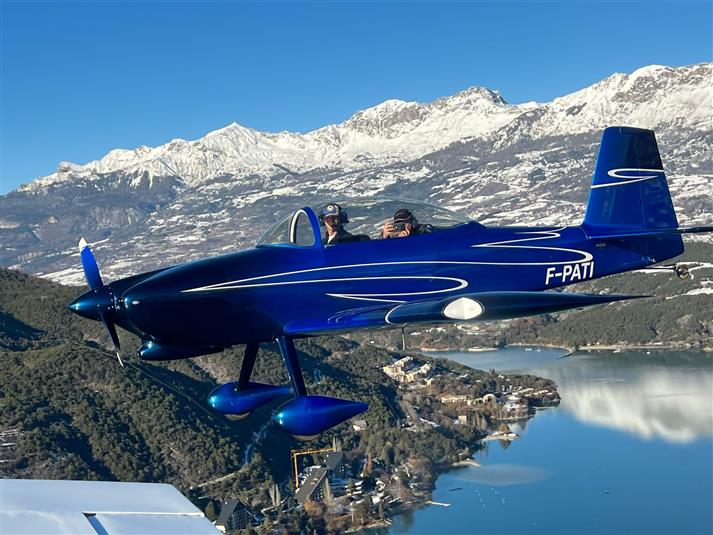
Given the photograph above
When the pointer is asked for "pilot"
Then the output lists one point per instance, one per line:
(334, 218)
(404, 224)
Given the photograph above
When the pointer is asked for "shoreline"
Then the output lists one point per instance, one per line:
(465, 462)
(679, 346)
(508, 437)
(486, 349)
(474, 349)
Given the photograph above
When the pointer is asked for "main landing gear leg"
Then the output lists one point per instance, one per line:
(289, 355)
(307, 416)
(246, 369)
(237, 399)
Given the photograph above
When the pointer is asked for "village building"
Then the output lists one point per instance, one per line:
(359, 425)
(234, 516)
(407, 370)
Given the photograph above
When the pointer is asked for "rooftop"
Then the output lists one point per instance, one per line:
(312, 483)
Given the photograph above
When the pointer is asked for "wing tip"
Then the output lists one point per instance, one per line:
(82, 244)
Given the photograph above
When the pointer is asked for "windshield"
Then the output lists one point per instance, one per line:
(365, 218)
(294, 229)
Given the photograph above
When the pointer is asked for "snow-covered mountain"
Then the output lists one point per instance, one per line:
(390, 132)
(494, 161)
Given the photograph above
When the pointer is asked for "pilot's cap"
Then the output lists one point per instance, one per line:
(404, 216)
(332, 209)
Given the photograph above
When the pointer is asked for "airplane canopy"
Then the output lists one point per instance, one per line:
(365, 218)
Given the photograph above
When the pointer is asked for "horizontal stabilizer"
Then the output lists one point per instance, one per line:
(650, 233)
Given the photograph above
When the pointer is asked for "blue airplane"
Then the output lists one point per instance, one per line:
(298, 283)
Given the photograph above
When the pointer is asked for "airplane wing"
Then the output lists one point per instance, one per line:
(92, 507)
(369, 316)
(469, 307)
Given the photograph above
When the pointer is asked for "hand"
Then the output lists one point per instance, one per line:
(388, 229)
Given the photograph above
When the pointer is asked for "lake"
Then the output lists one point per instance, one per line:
(629, 450)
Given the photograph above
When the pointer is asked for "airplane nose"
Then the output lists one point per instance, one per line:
(159, 307)
(89, 304)
(143, 304)
(136, 296)
(131, 300)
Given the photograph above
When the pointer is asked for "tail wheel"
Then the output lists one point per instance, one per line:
(681, 271)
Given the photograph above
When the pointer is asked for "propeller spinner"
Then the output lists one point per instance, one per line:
(98, 302)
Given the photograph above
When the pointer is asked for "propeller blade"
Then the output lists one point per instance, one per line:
(111, 329)
(89, 265)
(94, 280)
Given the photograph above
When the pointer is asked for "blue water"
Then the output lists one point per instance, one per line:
(629, 450)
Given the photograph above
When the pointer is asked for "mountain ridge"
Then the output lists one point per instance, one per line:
(235, 139)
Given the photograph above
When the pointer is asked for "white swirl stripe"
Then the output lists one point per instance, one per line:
(538, 235)
(628, 179)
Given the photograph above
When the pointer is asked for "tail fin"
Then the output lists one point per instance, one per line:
(629, 200)
(629, 190)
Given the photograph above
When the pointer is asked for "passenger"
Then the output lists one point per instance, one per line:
(334, 218)
(404, 224)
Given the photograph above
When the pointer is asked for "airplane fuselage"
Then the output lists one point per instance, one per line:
(256, 294)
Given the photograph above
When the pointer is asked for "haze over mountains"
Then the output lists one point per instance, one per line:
(472, 152)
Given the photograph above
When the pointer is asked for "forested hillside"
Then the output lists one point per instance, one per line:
(79, 415)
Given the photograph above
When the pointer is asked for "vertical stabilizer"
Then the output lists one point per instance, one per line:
(630, 197)
(629, 190)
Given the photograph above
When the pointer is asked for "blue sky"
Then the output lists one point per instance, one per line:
(79, 79)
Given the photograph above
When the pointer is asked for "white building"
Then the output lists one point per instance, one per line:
(359, 425)
(405, 370)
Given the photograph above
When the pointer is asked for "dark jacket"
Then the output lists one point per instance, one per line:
(342, 237)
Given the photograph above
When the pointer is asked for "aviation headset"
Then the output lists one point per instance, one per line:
(333, 209)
